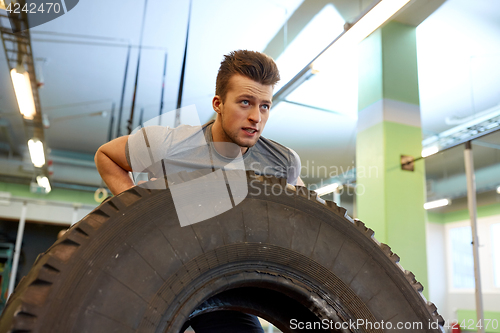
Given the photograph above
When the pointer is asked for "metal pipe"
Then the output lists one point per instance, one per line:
(65, 106)
(17, 249)
(91, 37)
(145, 47)
(74, 218)
(54, 33)
(471, 201)
(336, 197)
(76, 116)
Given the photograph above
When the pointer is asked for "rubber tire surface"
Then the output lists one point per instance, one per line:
(129, 266)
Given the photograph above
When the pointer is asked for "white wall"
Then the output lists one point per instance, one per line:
(441, 292)
(436, 267)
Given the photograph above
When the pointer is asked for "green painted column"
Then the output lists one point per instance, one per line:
(390, 200)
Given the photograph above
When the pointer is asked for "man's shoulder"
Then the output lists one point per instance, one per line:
(273, 158)
(267, 146)
(180, 128)
(163, 139)
(266, 143)
(175, 134)
(187, 129)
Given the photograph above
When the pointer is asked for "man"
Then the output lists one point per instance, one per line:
(244, 90)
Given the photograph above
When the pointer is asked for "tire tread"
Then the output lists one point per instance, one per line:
(34, 289)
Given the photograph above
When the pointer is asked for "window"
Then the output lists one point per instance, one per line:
(461, 257)
(460, 260)
(495, 249)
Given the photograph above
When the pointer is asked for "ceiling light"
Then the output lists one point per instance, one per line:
(43, 181)
(327, 189)
(361, 29)
(429, 151)
(24, 94)
(324, 27)
(436, 204)
(36, 152)
(293, 84)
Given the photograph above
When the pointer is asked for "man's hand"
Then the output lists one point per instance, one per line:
(111, 162)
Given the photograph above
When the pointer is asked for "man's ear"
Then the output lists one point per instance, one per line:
(216, 103)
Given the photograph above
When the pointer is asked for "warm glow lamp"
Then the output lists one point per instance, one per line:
(24, 94)
(36, 152)
(43, 181)
(430, 151)
(436, 204)
(361, 29)
(327, 189)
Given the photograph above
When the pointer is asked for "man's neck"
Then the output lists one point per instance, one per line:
(223, 144)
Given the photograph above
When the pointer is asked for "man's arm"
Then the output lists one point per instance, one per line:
(294, 170)
(111, 162)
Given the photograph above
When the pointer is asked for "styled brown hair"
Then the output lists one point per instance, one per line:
(253, 65)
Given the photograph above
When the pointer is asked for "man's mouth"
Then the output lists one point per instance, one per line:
(250, 130)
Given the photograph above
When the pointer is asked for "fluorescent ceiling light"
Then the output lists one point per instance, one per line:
(436, 204)
(36, 152)
(24, 94)
(361, 29)
(429, 151)
(43, 181)
(327, 189)
(311, 41)
(335, 89)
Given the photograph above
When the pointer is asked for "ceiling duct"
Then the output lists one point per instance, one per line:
(476, 126)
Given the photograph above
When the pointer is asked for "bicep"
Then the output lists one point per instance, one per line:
(294, 169)
(115, 150)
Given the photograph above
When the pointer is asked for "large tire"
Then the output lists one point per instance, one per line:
(130, 267)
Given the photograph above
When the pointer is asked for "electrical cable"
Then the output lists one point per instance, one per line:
(183, 72)
(162, 89)
(131, 119)
(120, 108)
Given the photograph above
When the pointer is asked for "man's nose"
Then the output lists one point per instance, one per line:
(255, 115)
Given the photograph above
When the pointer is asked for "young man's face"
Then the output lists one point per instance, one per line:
(244, 112)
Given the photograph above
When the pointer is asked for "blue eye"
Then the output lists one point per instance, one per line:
(245, 102)
(265, 106)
